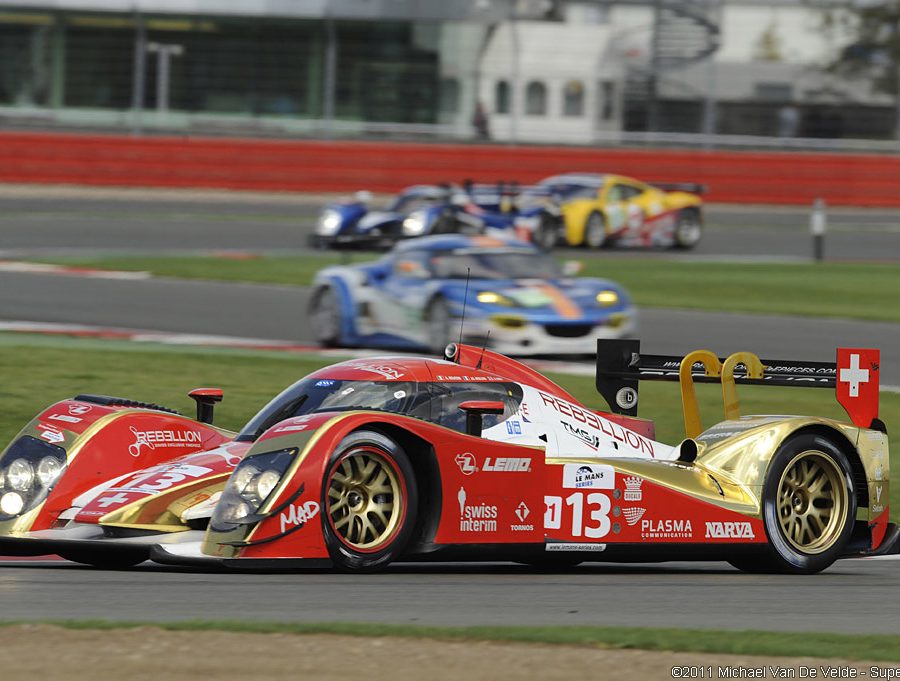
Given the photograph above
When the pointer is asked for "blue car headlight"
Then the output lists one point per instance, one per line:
(329, 222)
(415, 224)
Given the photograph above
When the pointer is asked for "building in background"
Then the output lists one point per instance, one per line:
(550, 71)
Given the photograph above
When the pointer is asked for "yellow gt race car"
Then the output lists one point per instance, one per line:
(601, 210)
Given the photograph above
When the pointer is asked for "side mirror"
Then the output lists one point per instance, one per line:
(475, 411)
(206, 399)
(572, 268)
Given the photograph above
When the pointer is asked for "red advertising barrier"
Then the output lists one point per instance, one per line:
(304, 165)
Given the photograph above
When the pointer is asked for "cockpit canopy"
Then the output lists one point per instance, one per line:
(430, 401)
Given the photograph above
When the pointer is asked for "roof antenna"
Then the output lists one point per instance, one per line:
(487, 340)
(462, 320)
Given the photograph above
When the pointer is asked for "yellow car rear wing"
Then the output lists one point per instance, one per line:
(621, 366)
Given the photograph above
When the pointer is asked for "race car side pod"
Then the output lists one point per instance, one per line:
(620, 366)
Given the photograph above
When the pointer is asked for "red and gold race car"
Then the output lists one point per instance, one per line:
(472, 457)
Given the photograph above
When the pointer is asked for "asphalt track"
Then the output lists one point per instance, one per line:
(278, 313)
(851, 597)
(44, 221)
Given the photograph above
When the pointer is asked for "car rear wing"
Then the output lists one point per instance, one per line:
(621, 366)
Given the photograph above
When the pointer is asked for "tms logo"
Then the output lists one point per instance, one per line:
(466, 463)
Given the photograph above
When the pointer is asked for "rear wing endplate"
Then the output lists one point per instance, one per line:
(621, 366)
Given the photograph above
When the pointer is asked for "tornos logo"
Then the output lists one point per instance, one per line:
(666, 529)
(475, 517)
(729, 530)
(522, 512)
(466, 463)
(588, 476)
(163, 438)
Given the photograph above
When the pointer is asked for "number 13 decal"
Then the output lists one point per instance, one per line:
(598, 507)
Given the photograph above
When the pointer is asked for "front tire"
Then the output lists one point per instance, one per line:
(325, 316)
(595, 231)
(809, 507)
(370, 499)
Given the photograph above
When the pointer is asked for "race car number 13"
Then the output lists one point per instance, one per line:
(598, 507)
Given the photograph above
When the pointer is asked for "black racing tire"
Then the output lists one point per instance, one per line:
(369, 502)
(324, 315)
(115, 560)
(595, 231)
(438, 322)
(809, 507)
(688, 229)
(546, 234)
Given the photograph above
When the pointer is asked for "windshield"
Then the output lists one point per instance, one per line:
(518, 264)
(312, 395)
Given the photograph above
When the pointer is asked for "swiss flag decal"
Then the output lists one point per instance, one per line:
(858, 370)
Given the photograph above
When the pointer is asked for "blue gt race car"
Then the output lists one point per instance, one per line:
(423, 210)
(519, 300)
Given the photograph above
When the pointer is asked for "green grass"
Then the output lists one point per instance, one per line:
(845, 290)
(37, 371)
(869, 647)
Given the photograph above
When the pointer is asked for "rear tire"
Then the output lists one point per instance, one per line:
(809, 508)
(688, 229)
(369, 501)
(595, 231)
(546, 234)
(325, 316)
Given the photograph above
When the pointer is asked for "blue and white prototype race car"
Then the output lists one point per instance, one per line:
(423, 210)
(519, 301)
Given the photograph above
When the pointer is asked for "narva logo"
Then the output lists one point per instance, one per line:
(508, 464)
(729, 530)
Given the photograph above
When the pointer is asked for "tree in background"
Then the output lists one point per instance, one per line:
(868, 32)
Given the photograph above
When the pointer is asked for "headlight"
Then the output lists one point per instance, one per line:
(607, 298)
(491, 298)
(48, 470)
(20, 475)
(254, 480)
(414, 225)
(329, 223)
(28, 471)
(11, 504)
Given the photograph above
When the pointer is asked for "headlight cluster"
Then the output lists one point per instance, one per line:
(329, 223)
(248, 488)
(607, 298)
(414, 225)
(28, 471)
(492, 298)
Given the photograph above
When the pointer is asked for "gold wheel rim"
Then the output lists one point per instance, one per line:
(812, 502)
(365, 500)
